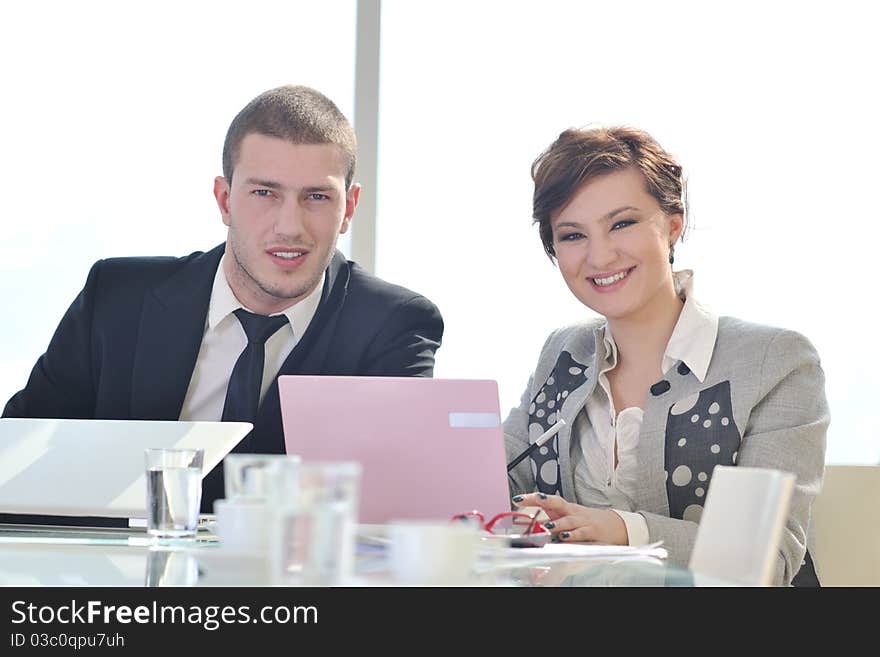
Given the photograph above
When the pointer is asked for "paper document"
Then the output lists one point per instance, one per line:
(584, 551)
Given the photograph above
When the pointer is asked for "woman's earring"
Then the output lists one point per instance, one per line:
(671, 254)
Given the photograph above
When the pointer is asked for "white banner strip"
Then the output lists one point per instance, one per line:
(474, 420)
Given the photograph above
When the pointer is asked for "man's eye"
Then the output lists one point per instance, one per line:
(318, 197)
(261, 192)
(623, 223)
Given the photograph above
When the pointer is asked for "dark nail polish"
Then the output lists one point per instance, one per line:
(543, 496)
(564, 535)
(517, 498)
(549, 525)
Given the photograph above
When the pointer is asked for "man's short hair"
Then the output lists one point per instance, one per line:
(297, 114)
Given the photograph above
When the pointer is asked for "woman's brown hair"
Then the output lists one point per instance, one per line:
(579, 155)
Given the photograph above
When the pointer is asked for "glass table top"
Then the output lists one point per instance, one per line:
(37, 556)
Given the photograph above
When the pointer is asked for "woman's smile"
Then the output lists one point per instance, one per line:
(605, 283)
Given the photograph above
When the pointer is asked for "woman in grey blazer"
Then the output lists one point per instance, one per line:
(659, 390)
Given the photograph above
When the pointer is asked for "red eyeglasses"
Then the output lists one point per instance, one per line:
(521, 529)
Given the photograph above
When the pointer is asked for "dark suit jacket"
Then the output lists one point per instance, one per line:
(127, 346)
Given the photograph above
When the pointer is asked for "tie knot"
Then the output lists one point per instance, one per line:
(259, 328)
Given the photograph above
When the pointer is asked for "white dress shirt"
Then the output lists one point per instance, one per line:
(692, 342)
(224, 340)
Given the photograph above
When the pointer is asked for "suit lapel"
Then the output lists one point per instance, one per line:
(171, 329)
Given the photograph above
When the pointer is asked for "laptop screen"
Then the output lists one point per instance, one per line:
(429, 448)
(92, 469)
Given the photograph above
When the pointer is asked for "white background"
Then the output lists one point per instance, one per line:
(771, 107)
(113, 119)
(112, 127)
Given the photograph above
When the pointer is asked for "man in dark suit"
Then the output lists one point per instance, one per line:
(205, 336)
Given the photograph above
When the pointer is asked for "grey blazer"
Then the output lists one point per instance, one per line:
(762, 404)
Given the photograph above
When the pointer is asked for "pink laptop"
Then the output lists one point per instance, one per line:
(429, 448)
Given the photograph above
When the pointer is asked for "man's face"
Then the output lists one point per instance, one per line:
(285, 209)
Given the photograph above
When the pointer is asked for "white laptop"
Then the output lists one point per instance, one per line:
(429, 448)
(95, 468)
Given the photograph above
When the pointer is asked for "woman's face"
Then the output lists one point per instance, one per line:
(612, 244)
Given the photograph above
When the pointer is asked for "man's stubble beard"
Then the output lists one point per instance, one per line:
(275, 292)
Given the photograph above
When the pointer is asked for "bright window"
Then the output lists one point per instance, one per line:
(112, 126)
(770, 107)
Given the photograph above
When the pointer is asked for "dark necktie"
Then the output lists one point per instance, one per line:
(243, 392)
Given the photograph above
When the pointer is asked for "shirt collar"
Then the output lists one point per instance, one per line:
(223, 304)
(610, 348)
(693, 338)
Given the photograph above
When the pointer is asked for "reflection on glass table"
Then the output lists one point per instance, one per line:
(125, 558)
(39, 556)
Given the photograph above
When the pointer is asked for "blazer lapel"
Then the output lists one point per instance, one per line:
(572, 406)
(170, 336)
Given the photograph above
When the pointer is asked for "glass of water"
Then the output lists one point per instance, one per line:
(313, 522)
(174, 491)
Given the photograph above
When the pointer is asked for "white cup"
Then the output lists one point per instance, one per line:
(242, 526)
(432, 553)
(246, 476)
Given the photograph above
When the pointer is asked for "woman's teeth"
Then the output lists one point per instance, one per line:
(611, 279)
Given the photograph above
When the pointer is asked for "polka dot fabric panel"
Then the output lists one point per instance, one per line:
(567, 375)
(700, 434)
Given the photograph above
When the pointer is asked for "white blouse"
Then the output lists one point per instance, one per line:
(600, 426)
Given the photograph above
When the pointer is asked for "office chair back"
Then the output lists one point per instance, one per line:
(741, 526)
(846, 526)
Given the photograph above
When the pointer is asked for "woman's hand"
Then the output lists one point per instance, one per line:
(575, 523)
